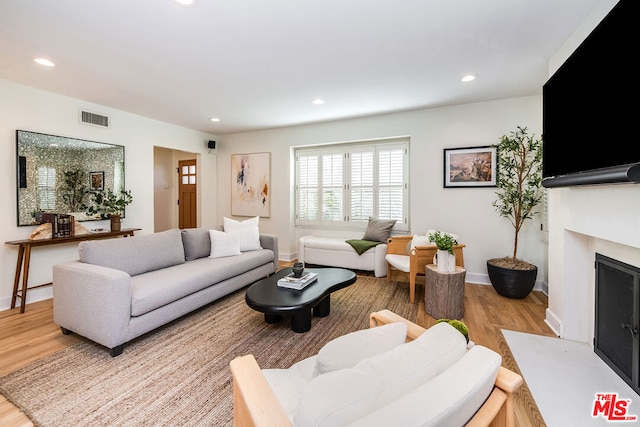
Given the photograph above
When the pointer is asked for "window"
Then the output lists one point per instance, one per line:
(46, 188)
(341, 186)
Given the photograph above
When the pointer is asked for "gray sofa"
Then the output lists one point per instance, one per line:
(119, 289)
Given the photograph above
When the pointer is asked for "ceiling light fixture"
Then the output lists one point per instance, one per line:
(214, 119)
(468, 78)
(45, 62)
(185, 2)
(318, 101)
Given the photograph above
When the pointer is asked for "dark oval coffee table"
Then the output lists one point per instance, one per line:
(275, 302)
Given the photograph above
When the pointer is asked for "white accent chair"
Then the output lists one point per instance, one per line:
(409, 255)
(394, 373)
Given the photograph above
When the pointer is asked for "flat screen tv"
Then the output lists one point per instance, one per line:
(590, 111)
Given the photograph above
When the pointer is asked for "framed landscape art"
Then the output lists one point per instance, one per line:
(250, 184)
(470, 167)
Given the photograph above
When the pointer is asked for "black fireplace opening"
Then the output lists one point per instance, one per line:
(617, 318)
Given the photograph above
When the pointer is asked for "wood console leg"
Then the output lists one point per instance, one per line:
(16, 280)
(25, 278)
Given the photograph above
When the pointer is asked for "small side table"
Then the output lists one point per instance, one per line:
(444, 293)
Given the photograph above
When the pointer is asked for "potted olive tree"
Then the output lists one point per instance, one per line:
(519, 182)
(109, 204)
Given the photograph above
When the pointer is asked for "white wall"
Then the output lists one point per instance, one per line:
(31, 109)
(465, 211)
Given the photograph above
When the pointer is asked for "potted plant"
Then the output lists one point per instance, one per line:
(74, 190)
(109, 204)
(446, 257)
(519, 182)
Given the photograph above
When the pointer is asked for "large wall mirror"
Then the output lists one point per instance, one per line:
(57, 174)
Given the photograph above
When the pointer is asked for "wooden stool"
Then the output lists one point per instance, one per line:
(444, 293)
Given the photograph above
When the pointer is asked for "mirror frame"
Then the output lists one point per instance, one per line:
(59, 154)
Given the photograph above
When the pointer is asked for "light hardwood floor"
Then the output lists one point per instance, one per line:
(31, 335)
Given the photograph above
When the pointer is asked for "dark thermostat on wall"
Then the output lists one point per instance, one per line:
(211, 144)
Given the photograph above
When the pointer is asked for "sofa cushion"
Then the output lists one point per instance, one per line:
(155, 289)
(196, 242)
(379, 230)
(450, 399)
(247, 230)
(137, 254)
(349, 349)
(224, 244)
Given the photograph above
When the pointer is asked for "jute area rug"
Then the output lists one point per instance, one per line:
(179, 375)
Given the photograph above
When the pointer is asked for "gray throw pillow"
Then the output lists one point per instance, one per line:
(379, 230)
(197, 243)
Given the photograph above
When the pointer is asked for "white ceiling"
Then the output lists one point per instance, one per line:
(258, 64)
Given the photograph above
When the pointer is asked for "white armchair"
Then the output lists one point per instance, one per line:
(409, 255)
(371, 378)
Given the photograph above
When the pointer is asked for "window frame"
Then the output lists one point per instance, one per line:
(346, 150)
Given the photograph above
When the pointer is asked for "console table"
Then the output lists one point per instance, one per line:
(24, 257)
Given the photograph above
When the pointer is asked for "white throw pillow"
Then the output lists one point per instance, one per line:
(349, 349)
(224, 244)
(419, 241)
(248, 232)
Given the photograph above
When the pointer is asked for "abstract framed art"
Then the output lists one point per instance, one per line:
(250, 184)
(470, 167)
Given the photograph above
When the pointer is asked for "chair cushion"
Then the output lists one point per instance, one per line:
(399, 262)
(347, 350)
(287, 384)
(247, 230)
(419, 241)
(379, 230)
(450, 399)
(343, 396)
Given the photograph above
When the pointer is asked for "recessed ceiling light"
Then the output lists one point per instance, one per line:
(214, 119)
(318, 101)
(468, 78)
(186, 2)
(45, 62)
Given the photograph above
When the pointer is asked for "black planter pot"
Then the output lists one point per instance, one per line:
(512, 283)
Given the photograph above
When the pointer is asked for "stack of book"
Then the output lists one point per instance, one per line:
(298, 283)
(62, 225)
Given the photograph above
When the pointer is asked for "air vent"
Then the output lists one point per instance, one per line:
(94, 119)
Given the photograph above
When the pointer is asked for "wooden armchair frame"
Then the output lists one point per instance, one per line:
(255, 404)
(419, 258)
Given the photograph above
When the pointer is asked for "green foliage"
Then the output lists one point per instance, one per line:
(74, 190)
(444, 241)
(519, 178)
(107, 203)
(458, 324)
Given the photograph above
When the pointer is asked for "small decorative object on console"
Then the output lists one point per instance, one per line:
(298, 283)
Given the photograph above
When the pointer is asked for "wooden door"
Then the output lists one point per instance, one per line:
(187, 202)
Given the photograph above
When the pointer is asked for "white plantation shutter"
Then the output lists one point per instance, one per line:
(46, 188)
(332, 186)
(362, 181)
(344, 185)
(308, 187)
(391, 180)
